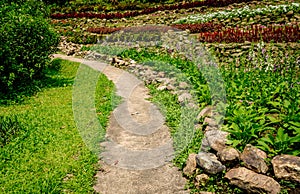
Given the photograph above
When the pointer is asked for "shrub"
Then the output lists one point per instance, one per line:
(27, 40)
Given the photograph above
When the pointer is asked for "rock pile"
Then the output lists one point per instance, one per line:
(252, 177)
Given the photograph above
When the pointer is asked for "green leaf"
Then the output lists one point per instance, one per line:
(264, 146)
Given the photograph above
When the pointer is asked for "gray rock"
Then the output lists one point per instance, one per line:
(191, 165)
(209, 162)
(215, 139)
(228, 154)
(254, 159)
(287, 167)
(252, 182)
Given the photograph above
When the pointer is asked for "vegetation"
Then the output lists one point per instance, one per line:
(41, 149)
(47, 153)
(241, 13)
(27, 40)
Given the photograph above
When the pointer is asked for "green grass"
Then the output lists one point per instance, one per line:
(48, 155)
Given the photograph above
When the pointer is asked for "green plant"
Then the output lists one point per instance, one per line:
(10, 127)
(244, 12)
(279, 142)
(49, 156)
(27, 40)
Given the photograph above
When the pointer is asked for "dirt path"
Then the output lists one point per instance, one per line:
(138, 147)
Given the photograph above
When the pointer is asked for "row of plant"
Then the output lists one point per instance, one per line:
(244, 12)
(193, 28)
(107, 6)
(255, 33)
(210, 3)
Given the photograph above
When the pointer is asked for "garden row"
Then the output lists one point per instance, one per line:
(244, 12)
(256, 33)
(210, 3)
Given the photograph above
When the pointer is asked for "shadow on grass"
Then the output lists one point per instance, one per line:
(51, 78)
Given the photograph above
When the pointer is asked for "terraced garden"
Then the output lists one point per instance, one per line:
(254, 46)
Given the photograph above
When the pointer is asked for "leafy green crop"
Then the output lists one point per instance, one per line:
(244, 12)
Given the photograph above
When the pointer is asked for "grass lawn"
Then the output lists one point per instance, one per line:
(48, 155)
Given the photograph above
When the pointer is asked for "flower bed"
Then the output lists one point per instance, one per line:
(241, 13)
(256, 33)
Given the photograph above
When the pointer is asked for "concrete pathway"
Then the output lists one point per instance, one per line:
(138, 147)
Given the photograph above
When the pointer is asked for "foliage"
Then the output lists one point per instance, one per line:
(10, 127)
(244, 12)
(27, 41)
(262, 97)
(126, 14)
(255, 33)
(50, 156)
(263, 102)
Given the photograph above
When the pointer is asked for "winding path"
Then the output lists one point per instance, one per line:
(138, 147)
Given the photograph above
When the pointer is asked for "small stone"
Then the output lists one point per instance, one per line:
(207, 111)
(205, 192)
(210, 121)
(202, 179)
(162, 87)
(184, 97)
(290, 13)
(228, 154)
(161, 74)
(170, 87)
(183, 85)
(191, 165)
(287, 167)
(254, 159)
(252, 182)
(216, 139)
(209, 162)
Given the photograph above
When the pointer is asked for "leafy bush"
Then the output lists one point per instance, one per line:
(27, 40)
(9, 128)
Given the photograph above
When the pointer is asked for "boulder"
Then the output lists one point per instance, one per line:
(287, 167)
(215, 139)
(191, 165)
(209, 162)
(254, 159)
(228, 154)
(252, 182)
